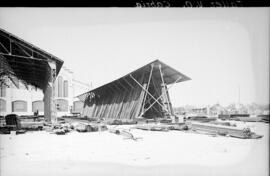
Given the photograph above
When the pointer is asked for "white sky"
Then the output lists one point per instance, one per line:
(220, 49)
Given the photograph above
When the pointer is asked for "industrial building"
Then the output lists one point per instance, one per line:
(27, 99)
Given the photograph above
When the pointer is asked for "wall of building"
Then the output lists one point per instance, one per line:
(79, 88)
(19, 97)
(25, 101)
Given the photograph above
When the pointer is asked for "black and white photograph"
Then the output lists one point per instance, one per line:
(134, 91)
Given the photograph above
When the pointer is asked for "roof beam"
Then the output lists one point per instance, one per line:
(4, 48)
(12, 60)
(32, 58)
(18, 42)
(32, 74)
(24, 51)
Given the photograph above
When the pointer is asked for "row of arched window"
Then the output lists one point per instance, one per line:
(62, 87)
(21, 105)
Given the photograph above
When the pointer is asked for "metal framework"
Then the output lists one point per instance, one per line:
(26, 61)
(142, 92)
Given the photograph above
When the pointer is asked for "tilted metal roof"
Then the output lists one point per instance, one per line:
(170, 75)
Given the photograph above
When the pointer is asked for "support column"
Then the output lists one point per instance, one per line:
(165, 100)
(48, 103)
(169, 101)
(49, 92)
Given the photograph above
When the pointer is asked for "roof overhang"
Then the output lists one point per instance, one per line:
(25, 61)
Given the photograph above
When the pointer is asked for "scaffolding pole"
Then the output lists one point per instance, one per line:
(144, 98)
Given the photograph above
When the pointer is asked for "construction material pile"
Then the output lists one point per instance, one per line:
(218, 129)
(213, 128)
(17, 125)
(127, 134)
(66, 127)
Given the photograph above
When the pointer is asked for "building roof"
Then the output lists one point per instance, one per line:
(25, 61)
(170, 76)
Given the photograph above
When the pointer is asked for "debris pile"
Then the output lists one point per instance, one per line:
(64, 128)
(67, 124)
(19, 125)
(125, 133)
(162, 127)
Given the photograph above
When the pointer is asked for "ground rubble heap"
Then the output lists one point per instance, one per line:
(65, 125)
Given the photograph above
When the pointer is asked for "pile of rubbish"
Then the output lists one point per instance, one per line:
(66, 127)
(127, 134)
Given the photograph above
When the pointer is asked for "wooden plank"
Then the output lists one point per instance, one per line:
(219, 129)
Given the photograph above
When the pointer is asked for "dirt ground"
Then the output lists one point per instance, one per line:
(157, 153)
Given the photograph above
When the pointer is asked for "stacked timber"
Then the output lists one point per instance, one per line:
(222, 123)
(249, 119)
(244, 133)
(152, 127)
(162, 127)
(264, 118)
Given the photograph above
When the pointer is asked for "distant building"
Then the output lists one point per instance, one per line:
(217, 109)
(26, 100)
(200, 111)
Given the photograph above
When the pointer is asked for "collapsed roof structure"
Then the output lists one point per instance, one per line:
(20, 60)
(141, 93)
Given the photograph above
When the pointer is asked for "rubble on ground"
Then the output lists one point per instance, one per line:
(125, 133)
(82, 125)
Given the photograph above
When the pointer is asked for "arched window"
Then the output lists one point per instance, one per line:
(65, 88)
(2, 105)
(19, 106)
(61, 105)
(60, 86)
(38, 105)
(3, 90)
